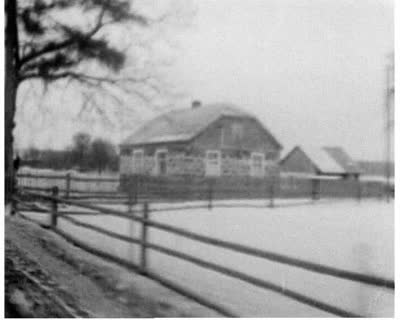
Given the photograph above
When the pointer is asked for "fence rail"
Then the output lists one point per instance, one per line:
(132, 266)
(62, 177)
(145, 245)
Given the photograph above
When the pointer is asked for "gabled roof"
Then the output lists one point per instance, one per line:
(328, 160)
(322, 160)
(343, 159)
(184, 124)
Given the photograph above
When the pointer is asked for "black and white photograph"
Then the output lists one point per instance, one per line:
(199, 158)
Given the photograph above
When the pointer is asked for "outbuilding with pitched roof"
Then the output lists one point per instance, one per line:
(320, 161)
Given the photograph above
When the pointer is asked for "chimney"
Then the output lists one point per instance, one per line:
(196, 104)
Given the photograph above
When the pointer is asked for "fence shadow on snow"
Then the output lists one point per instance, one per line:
(28, 202)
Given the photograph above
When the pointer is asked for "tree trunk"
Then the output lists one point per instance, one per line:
(10, 94)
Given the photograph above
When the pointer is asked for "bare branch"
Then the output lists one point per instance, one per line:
(54, 46)
(87, 78)
(101, 90)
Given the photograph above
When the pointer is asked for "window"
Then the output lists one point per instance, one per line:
(213, 163)
(138, 161)
(257, 164)
(125, 163)
(237, 131)
(125, 167)
(161, 162)
(126, 152)
(271, 155)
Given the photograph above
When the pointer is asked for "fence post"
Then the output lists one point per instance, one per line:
(13, 195)
(359, 190)
(13, 206)
(271, 193)
(131, 251)
(67, 184)
(130, 202)
(315, 189)
(210, 194)
(143, 256)
(54, 207)
(136, 187)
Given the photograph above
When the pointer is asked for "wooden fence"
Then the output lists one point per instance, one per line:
(208, 190)
(143, 217)
(68, 183)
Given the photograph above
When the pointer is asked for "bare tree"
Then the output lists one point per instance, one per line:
(71, 41)
(80, 149)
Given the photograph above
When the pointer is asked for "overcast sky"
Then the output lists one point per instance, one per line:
(312, 71)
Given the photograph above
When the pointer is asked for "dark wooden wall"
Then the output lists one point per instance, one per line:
(253, 138)
(297, 161)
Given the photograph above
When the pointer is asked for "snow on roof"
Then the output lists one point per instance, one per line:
(322, 160)
(343, 159)
(183, 124)
(301, 175)
(169, 138)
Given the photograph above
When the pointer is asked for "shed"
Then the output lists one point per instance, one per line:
(322, 161)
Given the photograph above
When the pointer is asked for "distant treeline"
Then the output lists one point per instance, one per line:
(376, 168)
(84, 154)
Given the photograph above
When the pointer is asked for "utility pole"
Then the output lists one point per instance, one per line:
(389, 121)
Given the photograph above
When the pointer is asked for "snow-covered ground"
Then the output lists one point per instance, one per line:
(356, 236)
(74, 173)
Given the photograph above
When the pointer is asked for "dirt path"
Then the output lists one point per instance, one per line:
(91, 285)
